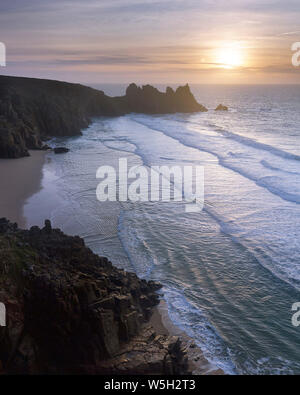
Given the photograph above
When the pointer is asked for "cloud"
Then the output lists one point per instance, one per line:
(140, 34)
(297, 32)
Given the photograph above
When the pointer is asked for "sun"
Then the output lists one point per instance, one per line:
(230, 57)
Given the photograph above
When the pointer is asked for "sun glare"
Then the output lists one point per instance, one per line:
(230, 57)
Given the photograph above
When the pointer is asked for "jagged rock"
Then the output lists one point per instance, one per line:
(170, 91)
(60, 150)
(48, 226)
(150, 100)
(221, 107)
(65, 313)
(147, 353)
(32, 110)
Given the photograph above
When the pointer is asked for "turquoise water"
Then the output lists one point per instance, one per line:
(231, 272)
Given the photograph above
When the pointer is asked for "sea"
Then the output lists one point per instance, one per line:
(231, 272)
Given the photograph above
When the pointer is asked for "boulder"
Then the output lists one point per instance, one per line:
(60, 150)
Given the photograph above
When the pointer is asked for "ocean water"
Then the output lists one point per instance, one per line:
(230, 272)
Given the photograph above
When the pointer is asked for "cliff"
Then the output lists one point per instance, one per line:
(71, 311)
(32, 110)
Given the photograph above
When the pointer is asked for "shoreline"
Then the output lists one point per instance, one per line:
(25, 180)
(19, 179)
(163, 325)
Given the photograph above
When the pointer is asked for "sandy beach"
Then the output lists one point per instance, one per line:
(19, 179)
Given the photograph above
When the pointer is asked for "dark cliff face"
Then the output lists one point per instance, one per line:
(33, 109)
(71, 311)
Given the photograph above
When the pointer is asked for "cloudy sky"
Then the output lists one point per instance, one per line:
(155, 41)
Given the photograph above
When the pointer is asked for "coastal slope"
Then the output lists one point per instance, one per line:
(71, 311)
(33, 110)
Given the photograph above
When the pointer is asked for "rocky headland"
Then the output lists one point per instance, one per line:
(33, 110)
(71, 311)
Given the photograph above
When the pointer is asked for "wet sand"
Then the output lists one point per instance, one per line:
(19, 179)
(163, 325)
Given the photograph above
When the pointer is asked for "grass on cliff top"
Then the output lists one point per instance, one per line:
(14, 257)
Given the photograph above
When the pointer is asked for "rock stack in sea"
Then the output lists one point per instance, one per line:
(71, 311)
(221, 107)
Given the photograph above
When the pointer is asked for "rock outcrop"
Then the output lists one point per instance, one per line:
(149, 100)
(61, 150)
(71, 311)
(32, 110)
(221, 107)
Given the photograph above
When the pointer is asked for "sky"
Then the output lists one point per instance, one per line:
(152, 41)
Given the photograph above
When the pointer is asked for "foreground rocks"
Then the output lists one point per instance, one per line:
(148, 353)
(71, 311)
(32, 110)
